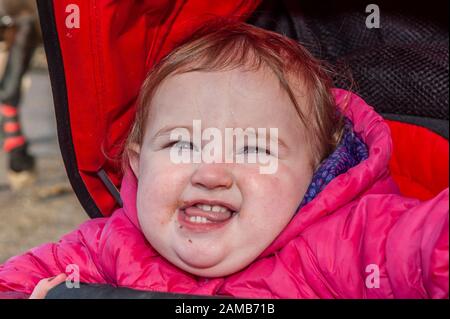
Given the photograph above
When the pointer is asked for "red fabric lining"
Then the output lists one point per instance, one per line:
(419, 162)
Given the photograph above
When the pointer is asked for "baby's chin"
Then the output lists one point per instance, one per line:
(205, 263)
(202, 264)
(206, 270)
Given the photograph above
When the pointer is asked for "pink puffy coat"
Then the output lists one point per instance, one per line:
(359, 238)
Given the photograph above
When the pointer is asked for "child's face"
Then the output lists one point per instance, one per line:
(264, 203)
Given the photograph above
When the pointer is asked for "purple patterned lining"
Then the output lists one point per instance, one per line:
(349, 152)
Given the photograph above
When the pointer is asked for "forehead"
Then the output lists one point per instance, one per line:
(233, 98)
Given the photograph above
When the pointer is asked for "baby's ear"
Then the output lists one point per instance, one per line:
(133, 157)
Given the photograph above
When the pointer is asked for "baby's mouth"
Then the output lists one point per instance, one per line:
(200, 216)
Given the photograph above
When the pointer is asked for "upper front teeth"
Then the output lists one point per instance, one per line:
(214, 208)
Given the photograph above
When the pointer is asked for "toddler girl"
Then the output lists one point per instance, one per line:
(326, 221)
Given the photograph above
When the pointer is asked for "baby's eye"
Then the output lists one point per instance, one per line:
(255, 149)
(182, 145)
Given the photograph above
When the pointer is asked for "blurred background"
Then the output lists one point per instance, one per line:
(37, 204)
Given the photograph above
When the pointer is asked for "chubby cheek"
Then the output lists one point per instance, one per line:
(160, 187)
(271, 201)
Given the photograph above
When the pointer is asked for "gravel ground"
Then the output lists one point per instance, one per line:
(39, 214)
(48, 209)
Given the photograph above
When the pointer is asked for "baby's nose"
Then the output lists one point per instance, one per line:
(210, 176)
